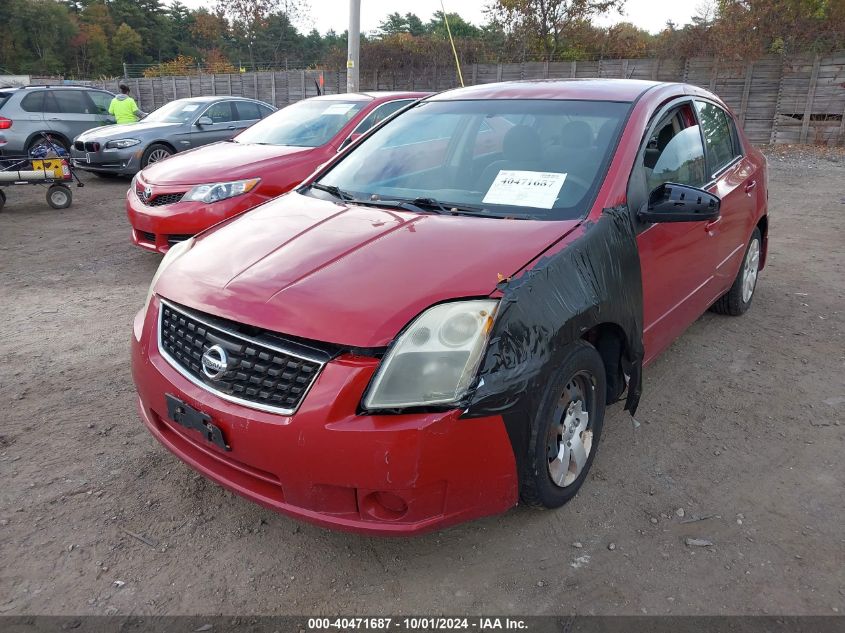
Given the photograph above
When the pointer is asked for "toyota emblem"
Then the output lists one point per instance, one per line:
(148, 193)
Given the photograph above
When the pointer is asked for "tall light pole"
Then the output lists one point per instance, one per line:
(354, 46)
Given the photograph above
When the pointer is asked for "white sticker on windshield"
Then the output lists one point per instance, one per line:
(190, 107)
(338, 108)
(525, 188)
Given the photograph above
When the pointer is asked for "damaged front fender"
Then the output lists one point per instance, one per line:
(593, 280)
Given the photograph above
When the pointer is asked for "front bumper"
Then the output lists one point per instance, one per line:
(374, 474)
(125, 162)
(158, 228)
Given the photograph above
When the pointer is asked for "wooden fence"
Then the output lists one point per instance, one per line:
(777, 100)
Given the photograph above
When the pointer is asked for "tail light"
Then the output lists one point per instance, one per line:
(5, 124)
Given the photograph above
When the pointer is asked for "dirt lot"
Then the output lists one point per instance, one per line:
(741, 421)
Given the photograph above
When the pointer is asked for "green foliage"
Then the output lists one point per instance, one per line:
(94, 38)
(126, 43)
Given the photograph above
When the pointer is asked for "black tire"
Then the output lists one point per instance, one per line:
(59, 196)
(152, 152)
(2, 199)
(735, 301)
(583, 364)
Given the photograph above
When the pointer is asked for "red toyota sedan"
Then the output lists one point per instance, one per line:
(169, 203)
(430, 327)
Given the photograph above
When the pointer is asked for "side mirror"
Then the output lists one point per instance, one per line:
(349, 140)
(204, 120)
(671, 202)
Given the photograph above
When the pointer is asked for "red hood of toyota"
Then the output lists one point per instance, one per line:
(347, 274)
(220, 162)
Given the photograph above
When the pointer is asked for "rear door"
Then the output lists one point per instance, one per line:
(676, 258)
(223, 124)
(247, 113)
(732, 177)
(70, 112)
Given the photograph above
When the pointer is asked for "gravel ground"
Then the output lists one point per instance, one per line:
(740, 446)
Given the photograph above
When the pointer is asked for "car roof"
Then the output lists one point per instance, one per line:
(371, 96)
(390, 95)
(586, 89)
(210, 98)
(54, 87)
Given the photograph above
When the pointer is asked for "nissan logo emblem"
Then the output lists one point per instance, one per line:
(215, 362)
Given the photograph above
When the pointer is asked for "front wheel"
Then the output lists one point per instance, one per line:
(155, 153)
(59, 196)
(737, 300)
(566, 430)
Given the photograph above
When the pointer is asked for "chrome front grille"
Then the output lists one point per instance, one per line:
(260, 372)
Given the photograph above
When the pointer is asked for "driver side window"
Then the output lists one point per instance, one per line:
(220, 112)
(674, 152)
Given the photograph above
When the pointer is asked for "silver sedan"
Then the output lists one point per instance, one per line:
(174, 127)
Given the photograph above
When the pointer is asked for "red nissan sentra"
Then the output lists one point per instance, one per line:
(169, 203)
(429, 328)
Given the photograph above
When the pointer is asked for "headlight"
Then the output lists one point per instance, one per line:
(435, 359)
(122, 143)
(175, 252)
(221, 190)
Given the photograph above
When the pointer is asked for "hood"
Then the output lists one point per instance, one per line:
(218, 162)
(121, 97)
(347, 274)
(127, 130)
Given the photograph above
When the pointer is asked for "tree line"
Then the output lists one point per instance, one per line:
(95, 38)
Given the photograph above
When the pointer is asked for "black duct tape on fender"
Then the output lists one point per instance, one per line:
(594, 280)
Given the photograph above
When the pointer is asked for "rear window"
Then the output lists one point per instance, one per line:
(247, 111)
(33, 102)
(70, 102)
(4, 97)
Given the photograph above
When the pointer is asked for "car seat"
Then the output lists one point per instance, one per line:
(521, 150)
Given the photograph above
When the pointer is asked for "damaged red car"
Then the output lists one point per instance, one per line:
(430, 328)
(168, 203)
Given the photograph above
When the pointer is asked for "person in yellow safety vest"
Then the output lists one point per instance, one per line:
(123, 107)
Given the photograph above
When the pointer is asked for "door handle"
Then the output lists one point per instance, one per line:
(750, 186)
(710, 225)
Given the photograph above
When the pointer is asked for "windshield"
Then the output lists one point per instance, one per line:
(175, 112)
(539, 159)
(308, 123)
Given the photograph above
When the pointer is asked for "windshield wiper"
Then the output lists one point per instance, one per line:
(418, 205)
(431, 204)
(335, 191)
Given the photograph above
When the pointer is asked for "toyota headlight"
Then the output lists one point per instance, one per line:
(122, 143)
(435, 359)
(175, 252)
(221, 190)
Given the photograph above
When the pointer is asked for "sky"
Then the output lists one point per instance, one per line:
(650, 15)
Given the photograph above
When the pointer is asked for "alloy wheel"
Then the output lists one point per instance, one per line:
(157, 155)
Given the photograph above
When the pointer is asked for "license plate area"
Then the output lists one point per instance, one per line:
(185, 415)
